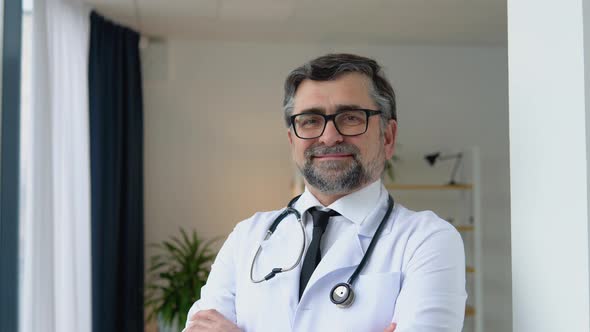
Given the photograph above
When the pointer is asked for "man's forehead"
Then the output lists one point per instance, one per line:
(355, 79)
(347, 89)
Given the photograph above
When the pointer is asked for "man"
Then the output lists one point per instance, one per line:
(341, 117)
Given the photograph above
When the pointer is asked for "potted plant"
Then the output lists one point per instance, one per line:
(176, 273)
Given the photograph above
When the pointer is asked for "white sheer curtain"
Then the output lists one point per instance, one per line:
(55, 210)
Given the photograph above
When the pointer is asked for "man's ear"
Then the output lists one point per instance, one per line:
(389, 138)
(289, 134)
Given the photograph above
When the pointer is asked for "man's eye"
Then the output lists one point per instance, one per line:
(309, 122)
(351, 119)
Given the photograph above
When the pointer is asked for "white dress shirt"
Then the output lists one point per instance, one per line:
(415, 276)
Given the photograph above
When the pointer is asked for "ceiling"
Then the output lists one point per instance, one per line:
(480, 22)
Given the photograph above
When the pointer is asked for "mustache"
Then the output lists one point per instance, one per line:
(320, 149)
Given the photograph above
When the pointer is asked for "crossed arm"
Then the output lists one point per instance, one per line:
(212, 321)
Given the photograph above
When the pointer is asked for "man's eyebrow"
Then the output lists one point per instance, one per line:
(339, 108)
(347, 107)
(317, 110)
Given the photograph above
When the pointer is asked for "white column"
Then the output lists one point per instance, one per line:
(549, 157)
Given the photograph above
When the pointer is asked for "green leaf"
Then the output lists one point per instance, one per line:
(185, 237)
(156, 266)
(184, 248)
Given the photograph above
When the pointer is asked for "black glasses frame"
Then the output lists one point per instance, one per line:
(332, 117)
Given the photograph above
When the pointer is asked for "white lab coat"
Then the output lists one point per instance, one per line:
(415, 276)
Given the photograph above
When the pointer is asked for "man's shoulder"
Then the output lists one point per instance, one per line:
(421, 223)
(261, 219)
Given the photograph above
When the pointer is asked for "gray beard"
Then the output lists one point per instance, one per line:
(333, 176)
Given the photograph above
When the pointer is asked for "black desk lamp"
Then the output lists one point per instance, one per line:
(433, 157)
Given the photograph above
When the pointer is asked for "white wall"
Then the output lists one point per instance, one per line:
(216, 148)
(550, 150)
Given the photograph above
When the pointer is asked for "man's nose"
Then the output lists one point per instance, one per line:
(331, 136)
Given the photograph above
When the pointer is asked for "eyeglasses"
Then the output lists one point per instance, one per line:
(348, 123)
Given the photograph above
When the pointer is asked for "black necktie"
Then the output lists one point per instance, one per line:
(313, 255)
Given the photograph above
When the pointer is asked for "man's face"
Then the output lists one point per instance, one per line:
(332, 163)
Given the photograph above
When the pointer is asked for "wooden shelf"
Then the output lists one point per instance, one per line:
(469, 311)
(464, 228)
(459, 186)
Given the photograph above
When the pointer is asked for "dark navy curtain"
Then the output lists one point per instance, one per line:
(116, 156)
(10, 77)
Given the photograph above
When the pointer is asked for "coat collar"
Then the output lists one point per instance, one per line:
(365, 208)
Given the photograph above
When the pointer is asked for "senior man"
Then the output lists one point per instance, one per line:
(356, 260)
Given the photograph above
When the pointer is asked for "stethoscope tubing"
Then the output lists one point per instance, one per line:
(372, 244)
(291, 210)
(269, 232)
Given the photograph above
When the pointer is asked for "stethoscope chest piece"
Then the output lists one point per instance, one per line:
(342, 295)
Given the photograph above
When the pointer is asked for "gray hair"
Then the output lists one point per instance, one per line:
(330, 67)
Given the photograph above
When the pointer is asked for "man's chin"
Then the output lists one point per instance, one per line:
(334, 180)
(333, 175)
(332, 168)
(332, 163)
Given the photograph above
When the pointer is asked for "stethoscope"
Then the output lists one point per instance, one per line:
(342, 294)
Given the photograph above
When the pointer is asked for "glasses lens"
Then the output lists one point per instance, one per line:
(308, 125)
(351, 122)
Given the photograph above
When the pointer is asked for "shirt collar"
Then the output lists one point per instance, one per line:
(355, 207)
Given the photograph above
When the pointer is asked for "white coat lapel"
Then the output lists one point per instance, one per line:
(345, 252)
